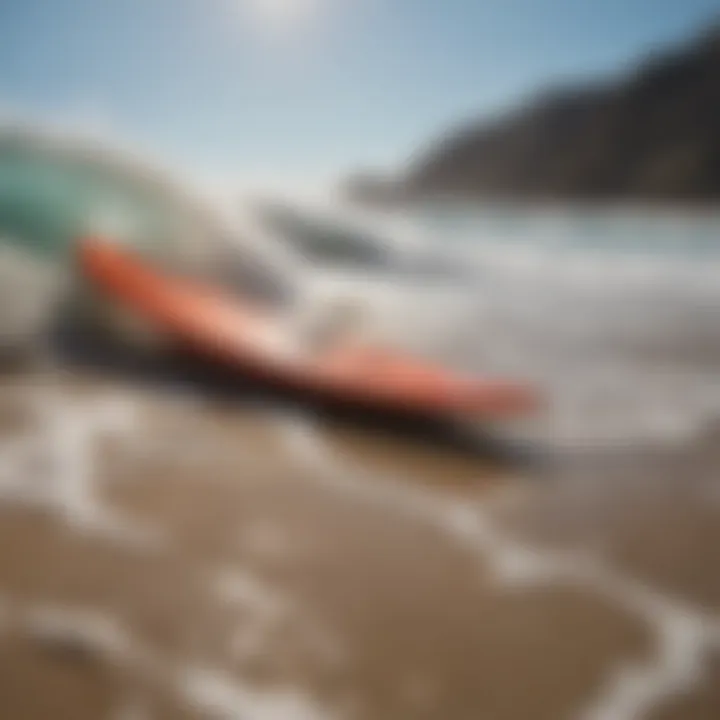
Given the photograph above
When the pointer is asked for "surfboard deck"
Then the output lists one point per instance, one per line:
(230, 330)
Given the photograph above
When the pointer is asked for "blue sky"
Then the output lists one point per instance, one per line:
(306, 89)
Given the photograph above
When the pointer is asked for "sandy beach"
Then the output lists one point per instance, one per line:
(165, 556)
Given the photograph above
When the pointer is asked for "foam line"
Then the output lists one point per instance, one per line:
(53, 464)
(684, 634)
(219, 695)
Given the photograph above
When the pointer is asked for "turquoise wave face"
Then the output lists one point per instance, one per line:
(50, 195)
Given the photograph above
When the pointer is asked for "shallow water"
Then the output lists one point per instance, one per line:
(224, 562)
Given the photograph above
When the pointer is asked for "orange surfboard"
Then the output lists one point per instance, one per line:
(228, 330)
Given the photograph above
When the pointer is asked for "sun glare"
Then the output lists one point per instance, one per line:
(281, 14)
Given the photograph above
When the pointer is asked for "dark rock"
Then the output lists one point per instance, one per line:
(653, 134)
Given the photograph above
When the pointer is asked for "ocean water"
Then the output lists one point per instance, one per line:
(613, 313)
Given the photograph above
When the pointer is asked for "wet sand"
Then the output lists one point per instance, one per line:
(164, 556)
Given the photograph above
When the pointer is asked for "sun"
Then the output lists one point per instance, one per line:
(281, 14)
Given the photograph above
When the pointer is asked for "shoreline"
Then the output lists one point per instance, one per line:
(210, 558)
(704, 209)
